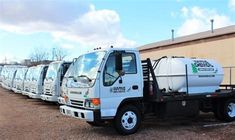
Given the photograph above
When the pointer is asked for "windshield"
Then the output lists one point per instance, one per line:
(29, 74)
(84, 70)
(70, 71)
(20, 73)
(36, 73)
(52, 71)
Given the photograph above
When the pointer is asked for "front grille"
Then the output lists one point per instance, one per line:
(77, 103)
(27, 89)
(47, 91)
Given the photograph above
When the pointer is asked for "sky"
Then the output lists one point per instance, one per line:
(78, 26)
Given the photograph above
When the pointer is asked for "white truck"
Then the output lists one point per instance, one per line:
(28, 81)
(65, 84)
(53, 80)
(18, 82)
(3, 74)
(37, 84)
(115, 85)
(10, 75)
(1, 67)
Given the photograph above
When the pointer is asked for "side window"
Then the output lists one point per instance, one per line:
(128, 64)
(110, 75)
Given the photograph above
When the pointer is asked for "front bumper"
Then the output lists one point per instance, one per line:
(49, 98)
(87, 115)
(61, 100)
(6, 87)
(25, 93)
(34, 95)
(16, 90)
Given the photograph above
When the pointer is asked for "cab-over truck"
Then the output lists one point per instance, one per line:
(115, 85)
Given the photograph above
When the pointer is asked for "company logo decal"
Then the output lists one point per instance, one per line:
(202, 65)
(117, 89)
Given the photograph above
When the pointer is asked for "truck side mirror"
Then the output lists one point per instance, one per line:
(118, 62)
(74, 60)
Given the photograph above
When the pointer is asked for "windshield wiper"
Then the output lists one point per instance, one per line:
(86, 77)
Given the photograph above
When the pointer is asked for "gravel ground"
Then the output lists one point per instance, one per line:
(23, 118)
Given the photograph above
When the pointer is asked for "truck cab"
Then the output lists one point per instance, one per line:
(1, 67)
(65, 84)
(53, 80)
(3, 74)
(102, 82)
(8, 82)
(18, 82)
(36, 86)
(28, 80)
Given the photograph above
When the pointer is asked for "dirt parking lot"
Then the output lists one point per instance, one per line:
(23, 118)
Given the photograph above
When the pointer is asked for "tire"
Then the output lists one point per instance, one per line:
(218, 111)
(229, 110)
(127, 120)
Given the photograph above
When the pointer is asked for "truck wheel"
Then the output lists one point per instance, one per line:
(229, 110)
(127, 120)
(218, 111)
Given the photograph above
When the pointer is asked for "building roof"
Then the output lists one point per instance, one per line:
(193, 37)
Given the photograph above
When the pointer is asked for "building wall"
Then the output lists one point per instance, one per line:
(221, 50)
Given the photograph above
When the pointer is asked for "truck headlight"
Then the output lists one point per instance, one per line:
(92, 103)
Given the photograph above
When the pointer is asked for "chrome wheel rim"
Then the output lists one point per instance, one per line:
(129, 120)
(231, 110)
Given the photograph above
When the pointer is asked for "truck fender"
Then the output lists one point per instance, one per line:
(136, 101)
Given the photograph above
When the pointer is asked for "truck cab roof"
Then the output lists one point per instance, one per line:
(114, 49)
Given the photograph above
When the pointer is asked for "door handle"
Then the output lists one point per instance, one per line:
(135, 87)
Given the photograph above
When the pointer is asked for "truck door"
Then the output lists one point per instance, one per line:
(116, 86)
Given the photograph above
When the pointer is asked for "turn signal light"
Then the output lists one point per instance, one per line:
(95, 101)
(66, 98)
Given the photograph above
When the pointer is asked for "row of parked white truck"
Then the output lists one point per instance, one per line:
(38, 82)
(115, 85)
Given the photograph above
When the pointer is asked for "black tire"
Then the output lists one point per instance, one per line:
(218, 110)
(130, 115)
(229, 110)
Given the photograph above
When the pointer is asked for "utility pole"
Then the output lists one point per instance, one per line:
(212, 28)
(172, 35)
(53, 54)
(5, 60)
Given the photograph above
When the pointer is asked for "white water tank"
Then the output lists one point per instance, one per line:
(203, 75)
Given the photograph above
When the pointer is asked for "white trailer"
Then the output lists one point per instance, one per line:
(36, 85)
(18, 83)
(53, 80)
(115, 85)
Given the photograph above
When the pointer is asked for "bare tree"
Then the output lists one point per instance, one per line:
(59, 53)
(39, 55)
